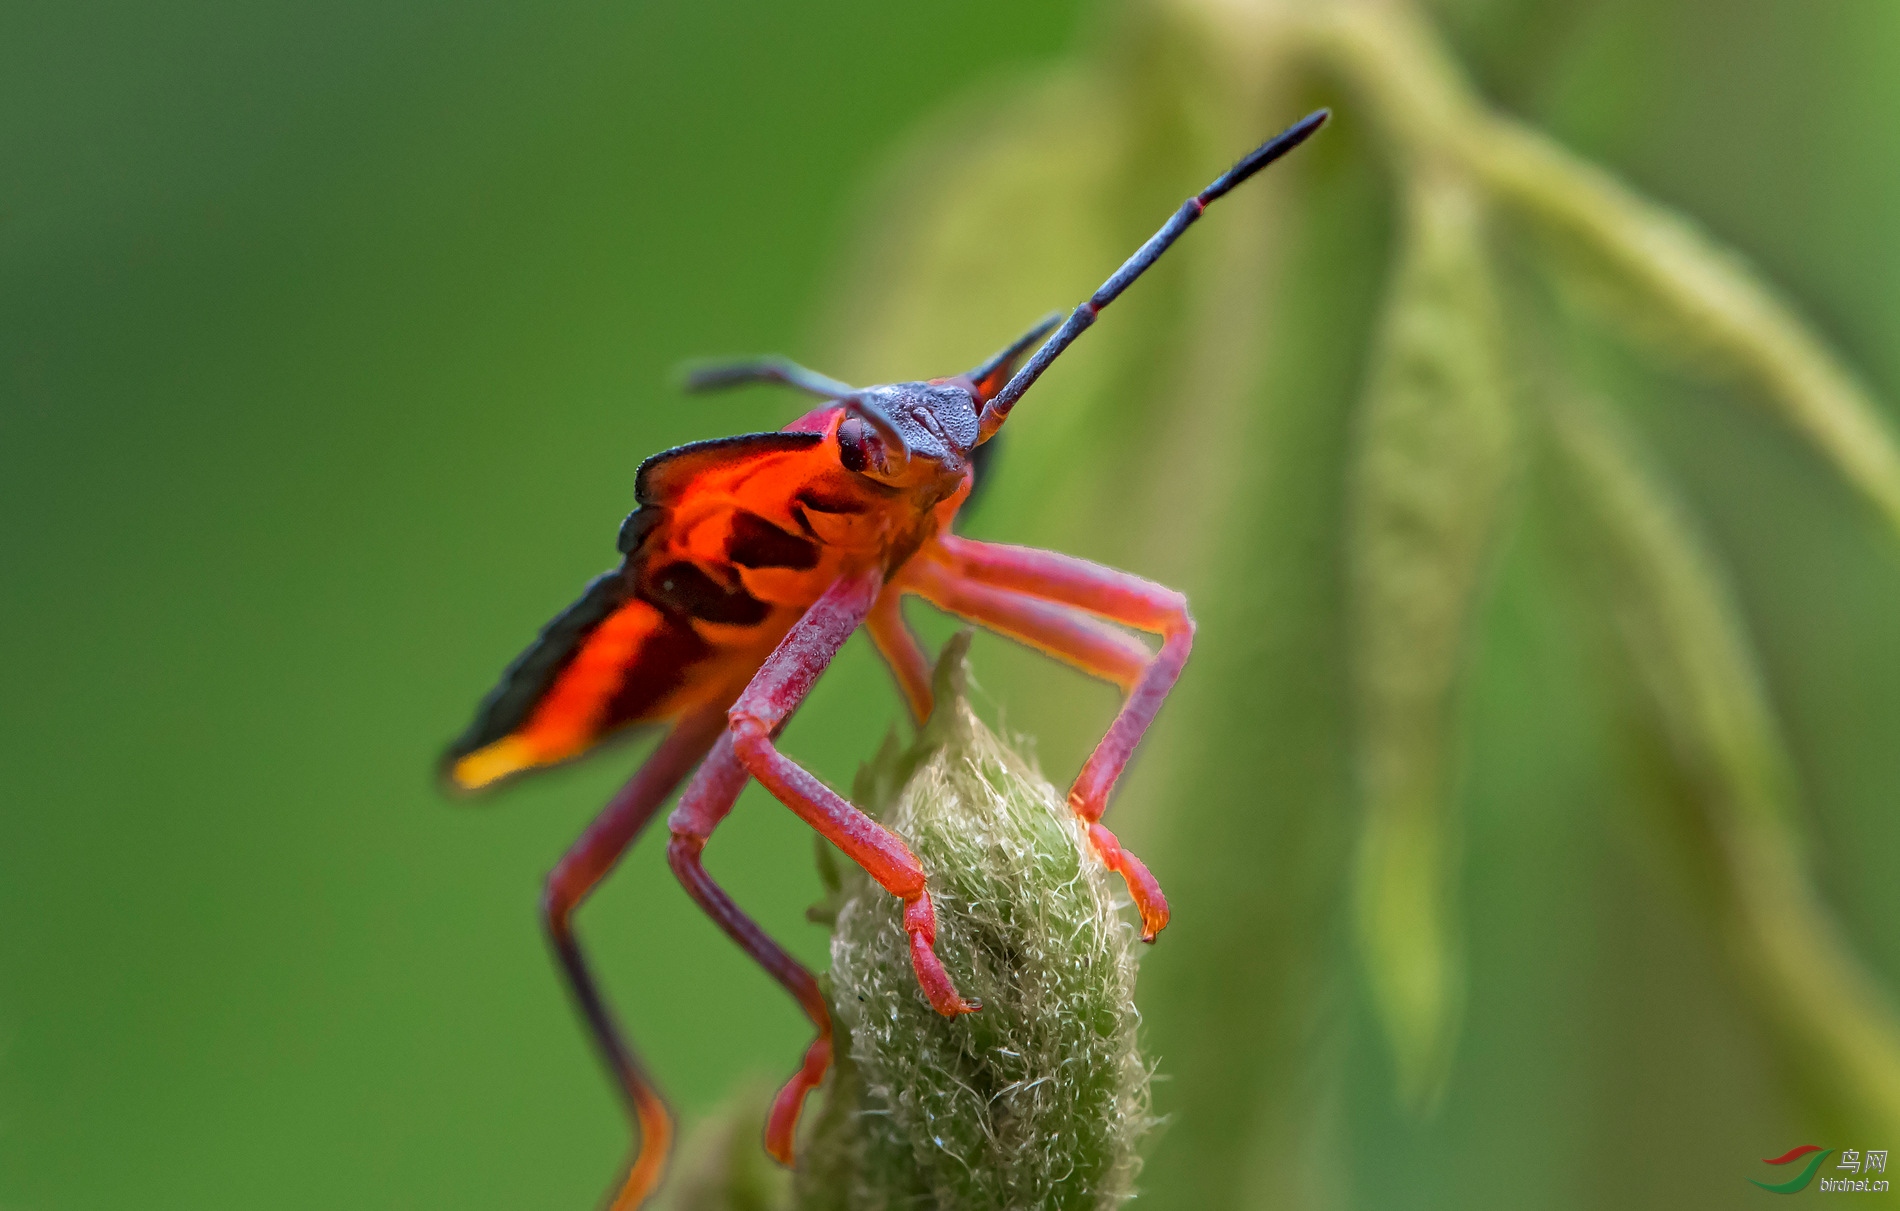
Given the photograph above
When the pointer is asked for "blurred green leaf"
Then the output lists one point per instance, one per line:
(1743, 849)
(1428, 497)
(721, 1166)
(1651, 271)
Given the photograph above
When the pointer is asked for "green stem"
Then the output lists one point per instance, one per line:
(1654, 258)
(1694, 661)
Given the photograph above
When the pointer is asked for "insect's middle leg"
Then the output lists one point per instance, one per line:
(901, 652)
(1051, 602)
(778, 687)
(707, 800)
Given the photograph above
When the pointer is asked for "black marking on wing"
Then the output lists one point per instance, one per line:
(684, 589)
(659, 668)
(523, 683)
(757, 543)
(664, 476)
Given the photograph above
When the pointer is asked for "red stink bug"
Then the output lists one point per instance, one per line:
(748, 563)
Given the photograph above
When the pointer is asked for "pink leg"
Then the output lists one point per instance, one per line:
(1055, 630)
(706, 802)
(1120, 597)
(780, 684)
(583, 866)
(900, 651)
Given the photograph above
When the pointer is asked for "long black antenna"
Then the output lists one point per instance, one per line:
(997, 410)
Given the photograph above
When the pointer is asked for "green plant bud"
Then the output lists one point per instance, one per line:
(1038, 1099)
(720, 1166)
(1428, 490)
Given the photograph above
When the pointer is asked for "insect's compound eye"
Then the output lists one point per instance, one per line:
(851, 444)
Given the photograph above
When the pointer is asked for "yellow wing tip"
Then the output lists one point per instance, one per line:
(493, 762)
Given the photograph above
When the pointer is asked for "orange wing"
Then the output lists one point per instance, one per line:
(644, 642)
(607, 661)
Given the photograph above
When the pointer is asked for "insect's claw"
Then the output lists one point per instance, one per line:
(781, 1125)
(920, 922)
(1143, 888)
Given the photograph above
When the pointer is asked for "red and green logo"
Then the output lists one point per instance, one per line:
(1799, 1181)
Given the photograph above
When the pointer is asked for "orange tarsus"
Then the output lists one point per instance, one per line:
(649, 1164)
(1142, 887)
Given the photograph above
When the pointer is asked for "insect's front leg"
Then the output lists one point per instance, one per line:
(780, 684)
(1012, 590)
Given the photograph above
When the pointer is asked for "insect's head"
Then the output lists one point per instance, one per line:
(906, 434)
(902, 434)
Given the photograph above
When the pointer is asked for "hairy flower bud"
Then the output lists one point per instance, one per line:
(1038, 1099)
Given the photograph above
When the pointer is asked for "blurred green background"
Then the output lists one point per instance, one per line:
(330, 337)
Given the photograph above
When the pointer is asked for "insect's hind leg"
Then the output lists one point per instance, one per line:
(579, 871)
(1012, 590)
(706, 802)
